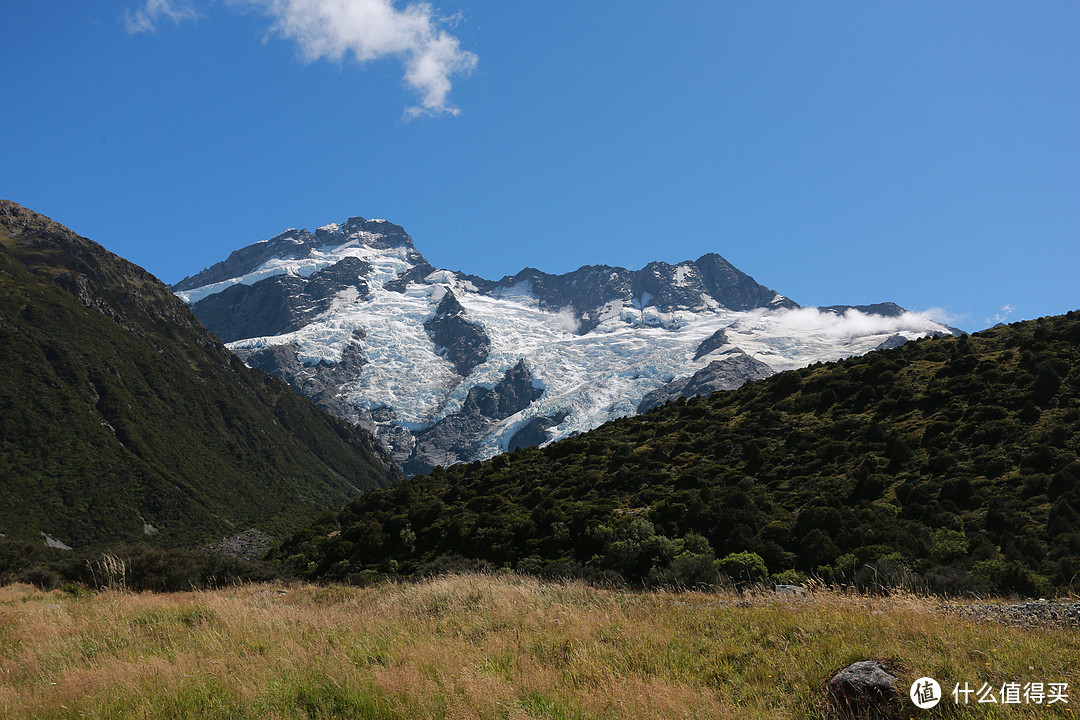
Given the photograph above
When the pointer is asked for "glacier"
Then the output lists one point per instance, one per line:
(595, 341)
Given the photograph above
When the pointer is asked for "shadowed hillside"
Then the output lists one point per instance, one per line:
(122, 418)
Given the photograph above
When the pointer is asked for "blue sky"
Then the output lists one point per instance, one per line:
(926, 153)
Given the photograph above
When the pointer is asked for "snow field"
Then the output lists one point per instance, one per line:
(595, 377)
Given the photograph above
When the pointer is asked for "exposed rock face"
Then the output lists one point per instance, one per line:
(463, 343)
(322, 382)
(729, 373)
(862, 688)
(535, 432)
(886, 309)
(736, 290)
(714, 342)
(298, 244)
(279, 304)
(454, 438)
(582, 291)
(413, 275)
(594, 291)
(889, 343)
(382, 423)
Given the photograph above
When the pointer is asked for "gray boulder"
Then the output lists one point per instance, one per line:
(863, 688)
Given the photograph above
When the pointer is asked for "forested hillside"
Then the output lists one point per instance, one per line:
(946, 463)
(123, 419)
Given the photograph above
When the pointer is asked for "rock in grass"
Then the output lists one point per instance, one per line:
(862, 687)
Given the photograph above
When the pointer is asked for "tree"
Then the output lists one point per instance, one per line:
(744, 567)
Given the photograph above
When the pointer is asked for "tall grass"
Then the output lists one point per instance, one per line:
(478, 646)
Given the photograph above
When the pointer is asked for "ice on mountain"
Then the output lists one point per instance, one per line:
(521, 290)
(683, 274)
(441, 276)
(195, 295)
(593, 377)
(609, 310)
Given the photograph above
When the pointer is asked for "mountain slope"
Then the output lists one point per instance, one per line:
(122, 417)
(951, 462)
(355, 317)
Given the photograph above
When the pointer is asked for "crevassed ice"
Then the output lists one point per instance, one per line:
(596, 377)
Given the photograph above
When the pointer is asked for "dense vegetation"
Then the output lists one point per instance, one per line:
(948, 463)
(122, 418)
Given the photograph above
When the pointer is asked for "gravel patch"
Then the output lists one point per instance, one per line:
(250, 545)
(1024, 614)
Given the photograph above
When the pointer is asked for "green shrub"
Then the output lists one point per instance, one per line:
(744, 567)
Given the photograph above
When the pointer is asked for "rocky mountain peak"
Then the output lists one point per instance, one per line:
(299, 245)
(377, 234)
(353, 315)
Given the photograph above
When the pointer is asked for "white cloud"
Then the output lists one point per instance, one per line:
(568, 320)
(943, 316)
(145, 19)
(1003, 316)
(374, 29)
(364, 29)
(854, 323)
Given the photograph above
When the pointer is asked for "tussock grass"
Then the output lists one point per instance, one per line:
(477, 646)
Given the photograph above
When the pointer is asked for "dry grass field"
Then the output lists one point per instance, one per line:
(477, 646)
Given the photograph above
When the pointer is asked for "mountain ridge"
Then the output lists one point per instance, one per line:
(595, 340)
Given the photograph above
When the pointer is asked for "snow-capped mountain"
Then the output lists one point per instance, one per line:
(446, 367)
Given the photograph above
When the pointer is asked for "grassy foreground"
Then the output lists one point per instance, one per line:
(493, 647)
